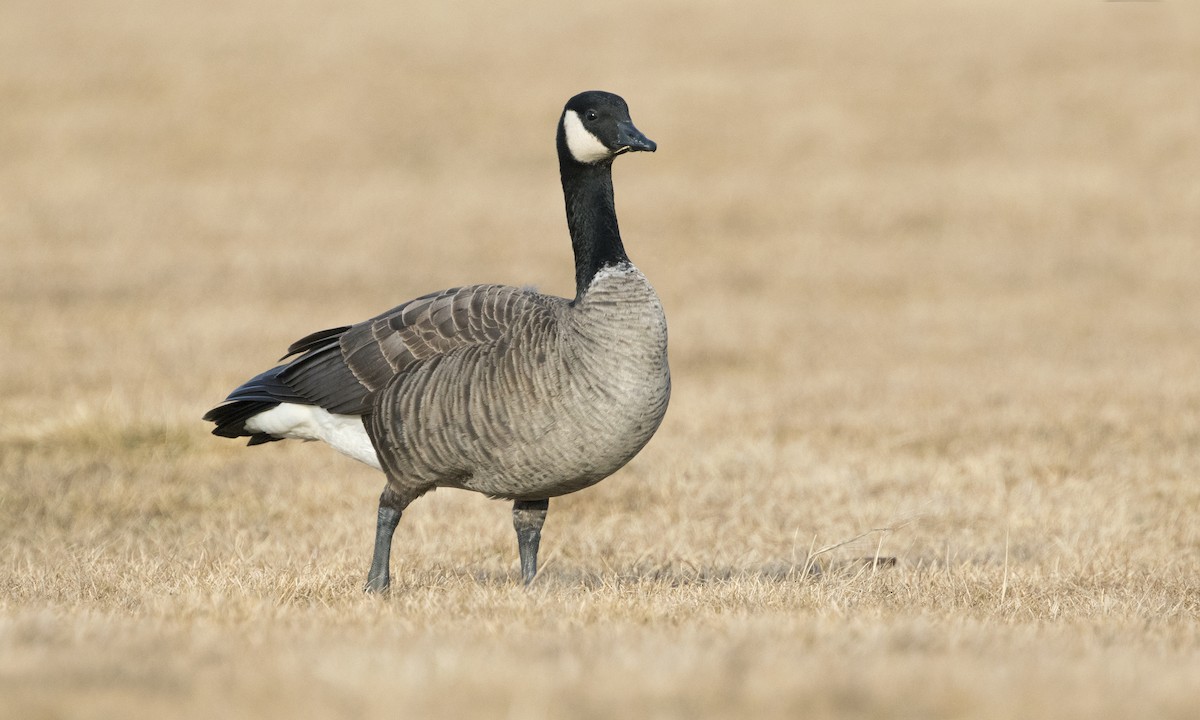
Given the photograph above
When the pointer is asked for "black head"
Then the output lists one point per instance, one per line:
(595, 127)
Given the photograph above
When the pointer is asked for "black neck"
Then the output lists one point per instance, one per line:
(592, 219)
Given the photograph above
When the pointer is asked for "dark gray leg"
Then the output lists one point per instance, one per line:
(391, 505)
(528, 518)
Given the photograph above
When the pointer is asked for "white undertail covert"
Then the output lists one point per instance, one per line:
(344, 433)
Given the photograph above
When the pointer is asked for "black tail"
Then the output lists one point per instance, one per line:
(258, 394)
(318, 377)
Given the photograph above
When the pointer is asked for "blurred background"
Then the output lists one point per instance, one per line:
(186, 189)
(928, 267)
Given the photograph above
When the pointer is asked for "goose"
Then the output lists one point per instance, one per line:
(499, 390)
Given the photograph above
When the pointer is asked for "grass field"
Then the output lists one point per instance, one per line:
(931, 277)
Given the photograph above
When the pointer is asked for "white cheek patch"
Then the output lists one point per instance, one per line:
(584, 146)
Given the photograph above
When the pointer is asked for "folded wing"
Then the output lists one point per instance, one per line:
(341, 369)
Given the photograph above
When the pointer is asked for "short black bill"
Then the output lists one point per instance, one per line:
(630, 139)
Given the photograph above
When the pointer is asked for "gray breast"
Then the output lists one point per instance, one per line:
(564, 398)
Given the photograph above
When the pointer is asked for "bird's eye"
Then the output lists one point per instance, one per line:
(591, 115)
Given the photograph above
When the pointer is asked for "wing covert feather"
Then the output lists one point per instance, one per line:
(394, 342)
(342, 368)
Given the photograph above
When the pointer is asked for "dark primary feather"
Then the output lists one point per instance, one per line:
(308, 342)
(341, 369)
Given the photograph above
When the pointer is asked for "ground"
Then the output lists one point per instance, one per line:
(930, 275)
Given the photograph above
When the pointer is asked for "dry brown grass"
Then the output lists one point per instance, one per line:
(930, 271)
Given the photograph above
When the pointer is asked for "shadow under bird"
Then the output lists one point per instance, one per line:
(490, 388)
